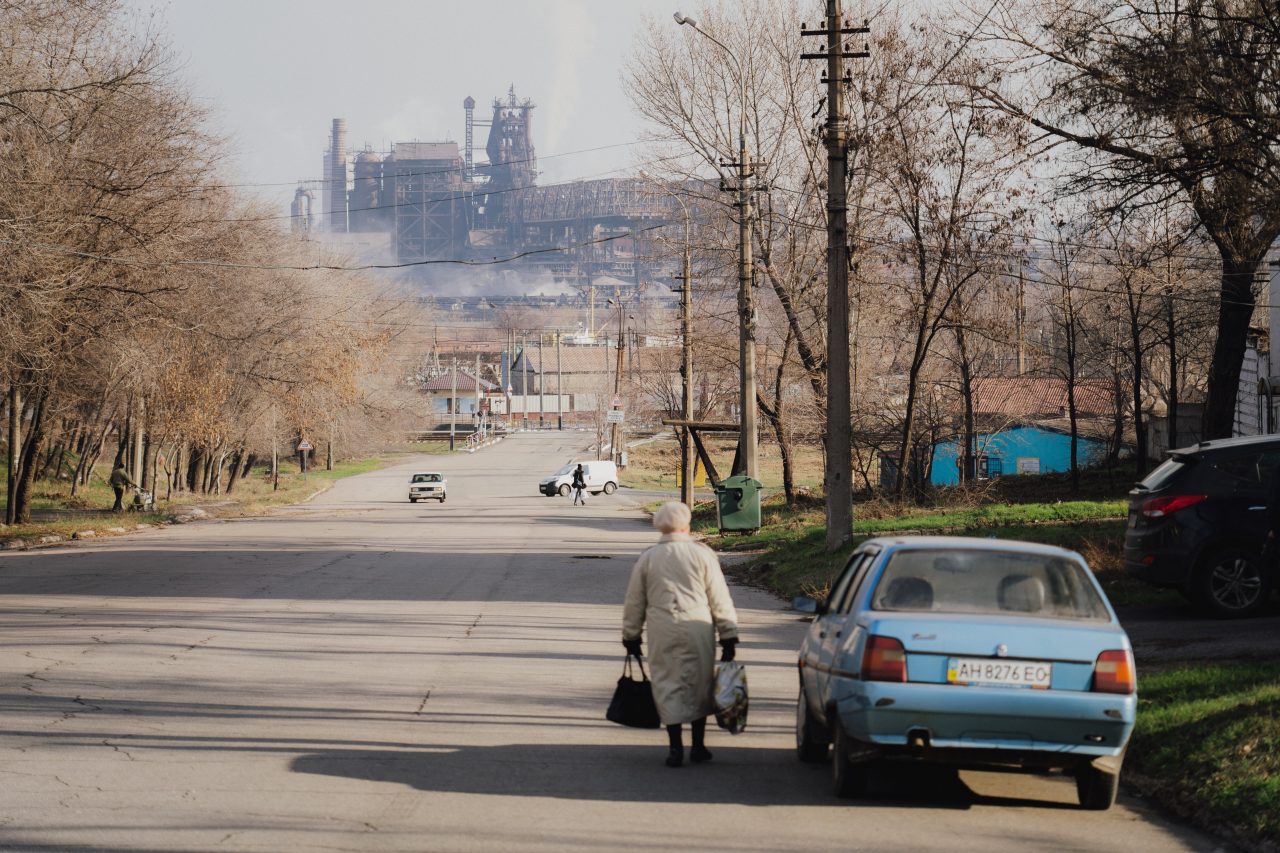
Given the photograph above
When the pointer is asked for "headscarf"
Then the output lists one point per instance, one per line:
(672, 517)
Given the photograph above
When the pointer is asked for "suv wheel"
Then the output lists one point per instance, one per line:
(1232, 582)
(564, 490)
(610, 488)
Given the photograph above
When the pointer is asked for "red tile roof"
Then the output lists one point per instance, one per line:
(466, 382)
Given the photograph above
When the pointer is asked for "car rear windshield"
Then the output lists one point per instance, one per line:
(987, 581)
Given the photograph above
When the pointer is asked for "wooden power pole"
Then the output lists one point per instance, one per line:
(839, 469)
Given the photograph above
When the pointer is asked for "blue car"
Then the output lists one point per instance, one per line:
(970, 652)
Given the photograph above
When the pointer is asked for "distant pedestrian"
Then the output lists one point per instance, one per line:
(579, 486)
(679, 592)
(119, 479)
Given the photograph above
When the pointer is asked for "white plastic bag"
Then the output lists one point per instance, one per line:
(730, 696)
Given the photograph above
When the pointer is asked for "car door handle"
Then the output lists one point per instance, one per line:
(1256, 508)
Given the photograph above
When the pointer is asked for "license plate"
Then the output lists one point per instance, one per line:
(1000, 673)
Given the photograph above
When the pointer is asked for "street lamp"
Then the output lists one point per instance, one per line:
(746, 308)
(686, 332)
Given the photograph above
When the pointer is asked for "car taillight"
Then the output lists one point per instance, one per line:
(1113, 672)
(884, 659)
(1160, 507)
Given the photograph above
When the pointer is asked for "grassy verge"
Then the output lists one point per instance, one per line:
(1207, 745)
(789, 553)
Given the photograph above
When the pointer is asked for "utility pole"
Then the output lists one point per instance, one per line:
(524, 379)
(542, 375)
(839, 469)
(479, 412)
(453, 407)
(1018, 321)
(559, 387)
(616, 455)
(15, 454)
(275, 452)
(686, 368)
(139, 447)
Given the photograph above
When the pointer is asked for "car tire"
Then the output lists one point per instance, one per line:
(564, 490)
(1096, 789)
(442, 497)
(812, 743)
(849, 779)
(610, 488)
(413, 500)
(1231, 583)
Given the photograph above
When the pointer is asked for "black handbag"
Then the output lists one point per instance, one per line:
(632, 703)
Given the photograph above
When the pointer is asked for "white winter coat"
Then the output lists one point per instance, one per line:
(677, 588)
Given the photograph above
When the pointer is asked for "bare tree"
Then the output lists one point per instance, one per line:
(1168, 99)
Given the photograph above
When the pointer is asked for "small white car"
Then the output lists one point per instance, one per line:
(427, 485)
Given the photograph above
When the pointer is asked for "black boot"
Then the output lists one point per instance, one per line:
(675, 750)
(699, 753)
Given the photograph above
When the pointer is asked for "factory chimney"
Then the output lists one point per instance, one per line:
(338, 176)
(469, 105)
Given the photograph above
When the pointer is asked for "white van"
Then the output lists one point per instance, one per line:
(601, 477)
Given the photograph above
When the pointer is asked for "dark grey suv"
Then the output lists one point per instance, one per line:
(1199, 523)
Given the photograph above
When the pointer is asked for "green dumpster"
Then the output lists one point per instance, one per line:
(738, 503)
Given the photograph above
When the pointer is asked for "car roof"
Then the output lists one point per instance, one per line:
(970, 543)
(420, 473)
(1225, 444)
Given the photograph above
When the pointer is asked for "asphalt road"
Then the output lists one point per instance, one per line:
(360, 674)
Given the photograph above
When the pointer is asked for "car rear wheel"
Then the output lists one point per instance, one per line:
(849, 779)
(610, 488)
(1231, 583)
(812, 743)
(564, 490)
(1096, 789)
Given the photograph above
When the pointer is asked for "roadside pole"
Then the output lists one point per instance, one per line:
(15, 454)
(839, 464)
(453, 407)
(559, 387)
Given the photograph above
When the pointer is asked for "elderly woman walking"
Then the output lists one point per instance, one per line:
(678, 590)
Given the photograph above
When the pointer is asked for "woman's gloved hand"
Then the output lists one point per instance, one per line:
(728, 647)
(632, 647)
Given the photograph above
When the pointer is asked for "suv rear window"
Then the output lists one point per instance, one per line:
(1163, 474)
(1006, 583)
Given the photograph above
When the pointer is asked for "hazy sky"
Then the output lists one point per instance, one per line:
(276, 72)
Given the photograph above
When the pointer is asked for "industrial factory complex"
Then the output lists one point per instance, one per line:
(437, 202)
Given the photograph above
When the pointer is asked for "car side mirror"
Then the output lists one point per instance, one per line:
(808, 604)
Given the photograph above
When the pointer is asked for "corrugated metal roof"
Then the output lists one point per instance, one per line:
(1033, 398)
(426, 151)
(572, 359)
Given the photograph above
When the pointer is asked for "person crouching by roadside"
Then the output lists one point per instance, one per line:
(678, 590)
(119, 479)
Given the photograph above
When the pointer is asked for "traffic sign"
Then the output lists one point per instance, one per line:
(614, 416)
(304, 446)
(617, 401)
